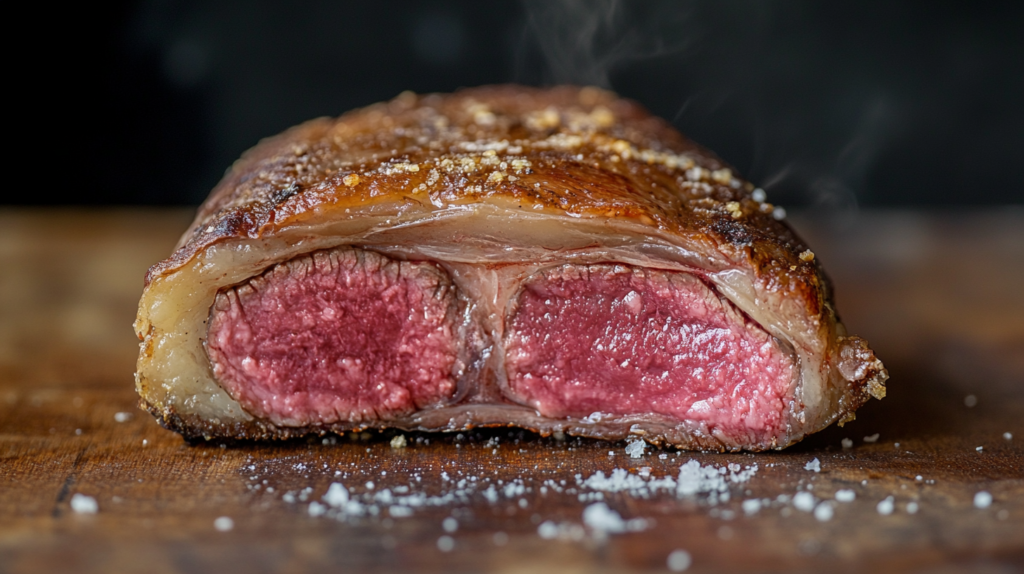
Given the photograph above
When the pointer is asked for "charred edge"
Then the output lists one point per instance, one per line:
(860, 392)
(735, 233)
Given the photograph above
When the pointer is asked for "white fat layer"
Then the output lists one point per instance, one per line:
(176, 373)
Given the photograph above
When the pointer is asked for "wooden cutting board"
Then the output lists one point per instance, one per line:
(938, 295)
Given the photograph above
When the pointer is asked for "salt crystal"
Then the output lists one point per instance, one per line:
(337, 495)
(982, 499)
(814, 465)
(970, 401)
(223, 524)
(635, 449)
(679, 561)
(450, 524)
(919, 478)
(759, 195)
(400, 511)
(871, 438)
(847, 443)
(603, 519)
(804, 501)
(1007, 436)
(751, 506)
(316, 509)
(885, 507)
(398, 442)
(83, 504)
(823, 512)
(445, 543)
(846, 495)
(122, 417)
(911, 508)
(547, 530)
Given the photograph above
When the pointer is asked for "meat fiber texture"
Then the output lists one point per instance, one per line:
(484, 205)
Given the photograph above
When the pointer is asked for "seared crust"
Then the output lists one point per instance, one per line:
(567, 151)
(592, 154)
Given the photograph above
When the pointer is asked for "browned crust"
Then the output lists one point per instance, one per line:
(588, 154)
(304, 169)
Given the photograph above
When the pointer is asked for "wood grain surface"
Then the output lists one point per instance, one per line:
(939, 296)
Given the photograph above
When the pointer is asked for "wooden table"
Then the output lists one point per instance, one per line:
(938, 295)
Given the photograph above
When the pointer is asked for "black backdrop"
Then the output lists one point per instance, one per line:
(838, 103)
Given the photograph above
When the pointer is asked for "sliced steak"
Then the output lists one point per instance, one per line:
(340, 335)
(623, 340)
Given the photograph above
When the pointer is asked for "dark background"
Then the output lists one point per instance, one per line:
(835, 104)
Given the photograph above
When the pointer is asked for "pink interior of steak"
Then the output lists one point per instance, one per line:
(343, 335)
(622, 340)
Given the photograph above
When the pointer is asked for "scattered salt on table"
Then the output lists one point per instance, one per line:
(886, 506)
(83, 504)
(679, 561)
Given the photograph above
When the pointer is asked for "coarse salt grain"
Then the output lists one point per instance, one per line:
(122, 417)
(337, 495)
(450, 524)
(846, 495)
(847, 443)
(751, 506)
(83, 504)
(1008, 436)
(804, 501)
(445, 543)
(316, 509)
(400, 511)
(679, 561)
(912, 508)
(601, 518)
(982, 499)
(970, 401)
(824, 512)
(871, 438)
(814, 465)
(635, 449)
(223, 524)
(885, 507)
(547, 530)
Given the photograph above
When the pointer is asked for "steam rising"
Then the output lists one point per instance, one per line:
(583, 40)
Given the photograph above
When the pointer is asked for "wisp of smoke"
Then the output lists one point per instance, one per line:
(583, 40)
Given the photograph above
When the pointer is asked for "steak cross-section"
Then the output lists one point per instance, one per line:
(340, 335)
(630, 341)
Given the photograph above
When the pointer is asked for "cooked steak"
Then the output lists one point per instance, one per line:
(554, 259)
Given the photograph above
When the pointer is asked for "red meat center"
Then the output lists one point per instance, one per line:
(622, 340)
(343, 335)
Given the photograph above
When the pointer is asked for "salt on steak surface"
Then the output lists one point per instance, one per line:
(555, 259)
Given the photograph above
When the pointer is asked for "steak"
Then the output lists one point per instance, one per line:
(554, 259)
